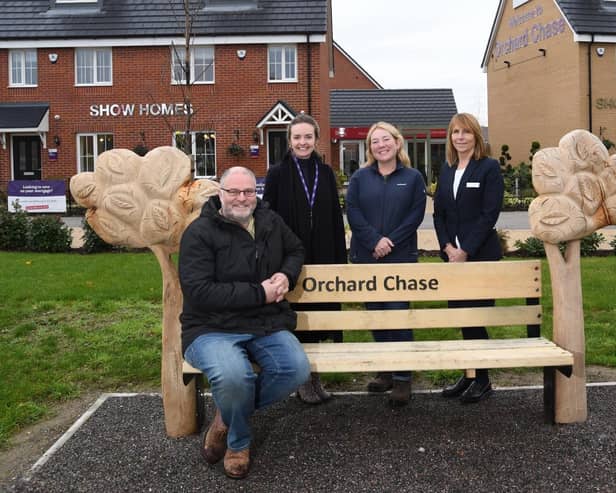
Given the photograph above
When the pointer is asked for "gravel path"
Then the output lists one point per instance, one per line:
(352, 444)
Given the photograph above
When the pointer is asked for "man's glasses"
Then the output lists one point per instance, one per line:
(234, 192)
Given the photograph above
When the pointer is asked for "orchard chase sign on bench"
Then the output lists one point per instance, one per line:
(422, 282)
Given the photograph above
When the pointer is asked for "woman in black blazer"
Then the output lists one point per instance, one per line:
(467, 202)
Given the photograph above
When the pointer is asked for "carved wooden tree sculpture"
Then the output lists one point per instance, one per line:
(148, 202)
(576, 183)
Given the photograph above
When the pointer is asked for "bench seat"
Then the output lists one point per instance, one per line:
(432, 355)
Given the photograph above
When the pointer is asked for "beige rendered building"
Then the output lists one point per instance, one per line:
(551, 68)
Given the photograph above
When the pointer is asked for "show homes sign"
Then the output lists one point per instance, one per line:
(140, 109)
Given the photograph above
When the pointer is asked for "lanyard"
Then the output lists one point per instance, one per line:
(309, 197)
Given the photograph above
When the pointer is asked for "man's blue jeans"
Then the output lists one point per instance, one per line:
(392, 335)
(225, 359)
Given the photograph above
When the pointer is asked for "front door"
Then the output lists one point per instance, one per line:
(26, 157)
(276, 146)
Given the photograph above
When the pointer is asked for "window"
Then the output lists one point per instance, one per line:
(282, 61)
(427, 159)
(201, 69)
(93, 66)
(89, 147)
(353, 153)
(203, 150)
(23, 68)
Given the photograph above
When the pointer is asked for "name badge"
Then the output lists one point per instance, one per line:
(472, 184)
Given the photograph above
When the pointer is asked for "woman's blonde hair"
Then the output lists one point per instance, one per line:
(402, 155)
(468, 122)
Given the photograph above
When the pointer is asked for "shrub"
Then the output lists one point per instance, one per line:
(512, 203)
(591, 243)
(505, 157)
(92, 243)
(531, 247)
(14, 227)
(613, 244)
(534, 147)
(49, 234)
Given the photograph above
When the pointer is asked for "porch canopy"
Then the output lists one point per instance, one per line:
(24, 118)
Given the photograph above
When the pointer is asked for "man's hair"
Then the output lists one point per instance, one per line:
(236, 169)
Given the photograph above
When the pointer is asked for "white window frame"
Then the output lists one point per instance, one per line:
(98, 140)
(193, 147)
(177, 61)
(361, 151)
(284, 76)
(93, 54)
(23, 55)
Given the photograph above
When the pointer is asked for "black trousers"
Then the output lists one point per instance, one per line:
(474, 332)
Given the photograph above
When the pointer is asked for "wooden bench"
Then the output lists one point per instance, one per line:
(148, 202)
(515, 284)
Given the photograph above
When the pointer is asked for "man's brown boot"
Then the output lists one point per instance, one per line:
(215, 440)
(237, 463)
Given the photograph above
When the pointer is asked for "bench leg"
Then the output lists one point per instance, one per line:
(549, 394)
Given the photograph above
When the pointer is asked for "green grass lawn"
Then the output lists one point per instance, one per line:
(73, 323)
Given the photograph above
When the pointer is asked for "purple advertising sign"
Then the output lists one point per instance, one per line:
(37, 195)
(260, 187)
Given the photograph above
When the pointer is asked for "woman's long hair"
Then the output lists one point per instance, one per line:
(468, 122)
(402, 155)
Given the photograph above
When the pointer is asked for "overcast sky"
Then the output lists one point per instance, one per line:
(413, 44)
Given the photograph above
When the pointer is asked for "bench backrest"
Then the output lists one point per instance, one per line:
(519, 281)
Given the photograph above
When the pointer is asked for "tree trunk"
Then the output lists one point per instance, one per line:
(179, 400)
(568, 330)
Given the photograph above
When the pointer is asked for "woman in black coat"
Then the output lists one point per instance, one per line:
(467, 203)
(302, 189)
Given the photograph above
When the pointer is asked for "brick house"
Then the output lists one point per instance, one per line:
(551, 68)
(84, 76)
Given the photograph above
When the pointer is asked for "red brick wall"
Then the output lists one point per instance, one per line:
(238, 100)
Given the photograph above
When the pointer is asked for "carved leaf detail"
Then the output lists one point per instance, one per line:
(86, 191)
(115, 166)
(554, 219)
(109, 228)
(121, 201)
(548, 170)
(160, 217)
(589, 189)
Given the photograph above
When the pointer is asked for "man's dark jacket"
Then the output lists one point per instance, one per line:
(221, 269)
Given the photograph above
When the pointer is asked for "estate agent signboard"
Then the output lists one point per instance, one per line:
(37, 195)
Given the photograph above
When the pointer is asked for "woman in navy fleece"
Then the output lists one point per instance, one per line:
(386, 202)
